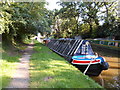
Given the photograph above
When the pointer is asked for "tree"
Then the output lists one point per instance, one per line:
(74, 15)
(19, 20)
(68, 16)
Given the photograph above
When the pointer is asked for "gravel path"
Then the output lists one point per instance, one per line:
(21, 76)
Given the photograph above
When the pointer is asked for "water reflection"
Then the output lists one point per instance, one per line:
(109, 78)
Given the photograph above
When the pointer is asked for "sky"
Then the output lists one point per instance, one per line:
(52, 4)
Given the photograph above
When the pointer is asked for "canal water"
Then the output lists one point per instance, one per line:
(109, 78)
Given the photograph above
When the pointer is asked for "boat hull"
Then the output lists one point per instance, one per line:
(93, 70)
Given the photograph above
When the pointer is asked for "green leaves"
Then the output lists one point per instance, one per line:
(21, 19)
(74, 15)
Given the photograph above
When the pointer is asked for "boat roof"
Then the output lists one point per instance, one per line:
(71, 47)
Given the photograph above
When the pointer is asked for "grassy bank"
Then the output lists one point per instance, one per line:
(49, 70)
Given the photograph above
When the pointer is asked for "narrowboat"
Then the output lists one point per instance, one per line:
(87, 61)
(80, 54)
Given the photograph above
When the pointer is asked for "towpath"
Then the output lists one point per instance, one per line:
(21, 77)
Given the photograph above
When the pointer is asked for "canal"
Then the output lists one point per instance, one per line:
(109, 78)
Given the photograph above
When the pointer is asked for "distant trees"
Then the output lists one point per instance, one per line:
(85, 18)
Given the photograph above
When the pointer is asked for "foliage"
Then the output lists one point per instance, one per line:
(22, 19)
(74, 15)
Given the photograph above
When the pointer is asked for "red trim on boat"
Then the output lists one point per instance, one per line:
(76, 61)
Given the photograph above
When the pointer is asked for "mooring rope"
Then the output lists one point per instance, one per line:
(88, 66)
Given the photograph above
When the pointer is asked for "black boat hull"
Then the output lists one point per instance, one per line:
(93, 70)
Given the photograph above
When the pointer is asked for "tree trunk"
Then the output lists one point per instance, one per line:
(77, 24)
(6, 41)
(90, 24)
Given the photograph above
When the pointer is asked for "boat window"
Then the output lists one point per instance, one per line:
(85, 49)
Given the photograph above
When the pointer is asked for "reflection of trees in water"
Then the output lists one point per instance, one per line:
(111, 77)
(115, 83)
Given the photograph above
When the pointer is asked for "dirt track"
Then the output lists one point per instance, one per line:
(21, 77)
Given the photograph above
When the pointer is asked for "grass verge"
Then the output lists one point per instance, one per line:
(49, 70)
(9, 58)
(8, 62)
(8, 66)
